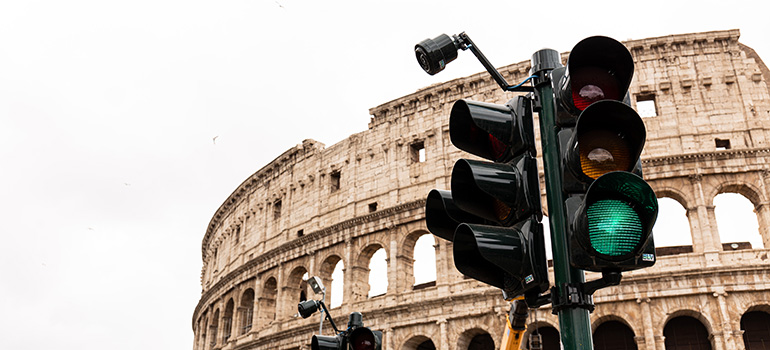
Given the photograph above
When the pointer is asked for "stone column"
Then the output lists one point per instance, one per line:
(387, 338)
(709, 247)
(763, 209)
(443, 334)
(397, 267)
(649, 335)
(347, 271)
(724, 315)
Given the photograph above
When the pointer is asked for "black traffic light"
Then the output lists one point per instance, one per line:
(610, 209)
(355, 337)
(493, 212)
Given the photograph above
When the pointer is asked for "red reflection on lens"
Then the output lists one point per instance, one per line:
(592, 84)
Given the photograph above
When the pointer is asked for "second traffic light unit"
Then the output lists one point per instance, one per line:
(610, 208)
(492, 214)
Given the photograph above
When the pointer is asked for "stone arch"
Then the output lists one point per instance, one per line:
(683, 331)
(408, 261)
(613, 333)
(747, 190)
(476, 338)
(734, 223)
(227, 320)
(246, 311)
(418, 342)
(703, 318)
(551, 339)
(268, 301)
(361, 269)
(213, 329)
(755, 324)
(673, 233)
(295, 290)
(328, 264)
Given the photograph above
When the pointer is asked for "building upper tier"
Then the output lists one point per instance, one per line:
(700, 93)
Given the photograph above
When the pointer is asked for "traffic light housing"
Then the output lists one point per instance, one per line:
(610, 209)
(493, 212)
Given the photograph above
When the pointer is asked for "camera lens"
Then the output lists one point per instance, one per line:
(434, 54)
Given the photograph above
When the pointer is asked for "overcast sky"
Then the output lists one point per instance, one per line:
(109, 111)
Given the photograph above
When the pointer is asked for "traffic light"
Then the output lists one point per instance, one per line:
(355, 337)
(610, 209)
(493, 212)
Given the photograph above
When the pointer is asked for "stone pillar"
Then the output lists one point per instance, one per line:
(347, 271)
(441, 267)
(717, 340)
(705, 243)
(763, 219)
(724, 316)
(387, 339)
(660, 341)
(443, 334)
(397, 269)
(649, 335)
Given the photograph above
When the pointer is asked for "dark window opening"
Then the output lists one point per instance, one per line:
(277, 209)
(545, 338)
(373, 207)
(426, 345)
(722, 144)
(335, 180)
(756, 330)
(645, 106)
(300, 233)
(685, 332)
(417, 152)
(237, 234)
(613, 335)
(482, 342)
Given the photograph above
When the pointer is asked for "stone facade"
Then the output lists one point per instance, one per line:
(314, 206)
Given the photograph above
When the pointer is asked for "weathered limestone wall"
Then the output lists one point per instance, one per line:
(314, 206)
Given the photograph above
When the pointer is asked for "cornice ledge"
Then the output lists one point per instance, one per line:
(693, 157)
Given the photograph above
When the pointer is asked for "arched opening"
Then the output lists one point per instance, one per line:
(295, 290)
(267, 300)
(736, 220)
(378, 273)
(246, 310)
(337, 285)
(213, 329)
(419, 342)
(672, 228)
(482, 342)
(333, 276)
(549, 338)
(686, 333)
(425, 261)
(756, 330)
(426, 345)
(475, 339)
(613, 335)
(227, 320)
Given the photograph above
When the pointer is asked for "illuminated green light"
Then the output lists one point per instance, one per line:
(614, 227)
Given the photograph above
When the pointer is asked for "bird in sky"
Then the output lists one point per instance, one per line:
(215, 139)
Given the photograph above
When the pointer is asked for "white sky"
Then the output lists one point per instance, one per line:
(108, 110)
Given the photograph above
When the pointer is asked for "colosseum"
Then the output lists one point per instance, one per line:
(324, 211)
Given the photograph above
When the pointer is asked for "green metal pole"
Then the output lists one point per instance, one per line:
(574, 323)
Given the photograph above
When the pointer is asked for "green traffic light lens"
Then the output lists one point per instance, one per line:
(614, 228)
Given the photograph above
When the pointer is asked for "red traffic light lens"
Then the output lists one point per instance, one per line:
(592, 84)
(362, 340)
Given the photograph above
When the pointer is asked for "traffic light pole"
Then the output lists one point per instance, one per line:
(574, 322)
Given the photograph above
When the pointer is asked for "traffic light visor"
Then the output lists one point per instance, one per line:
(442, 216)
(621, 209)
(483, 129)
(486, 253)
(323, 342)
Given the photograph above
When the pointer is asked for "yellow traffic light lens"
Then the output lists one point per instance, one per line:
(603, 151)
